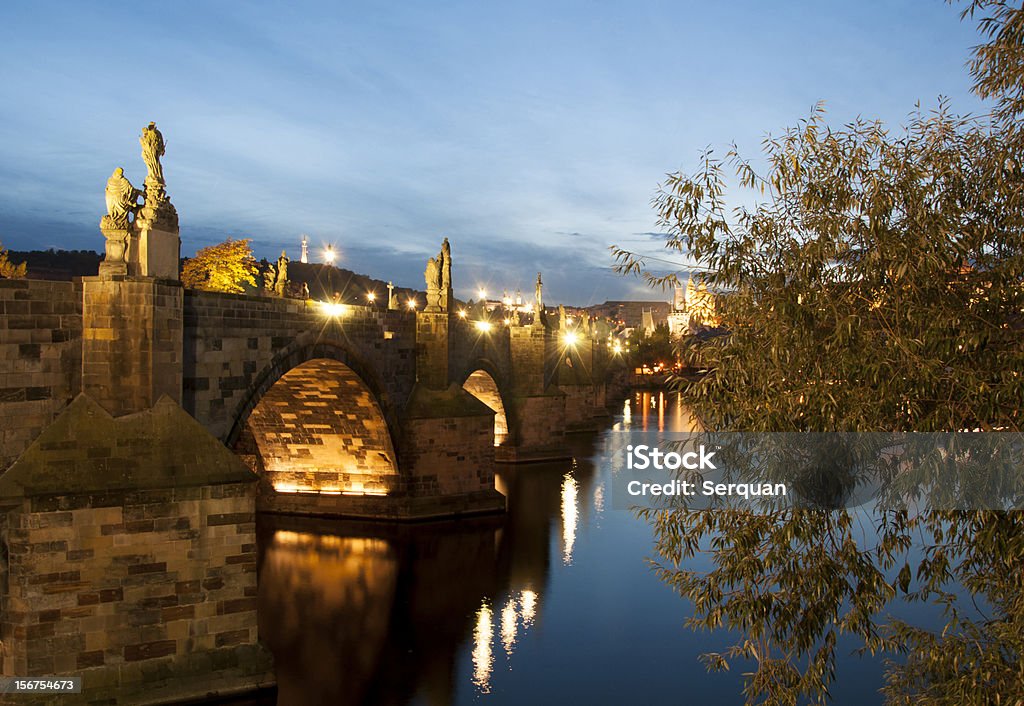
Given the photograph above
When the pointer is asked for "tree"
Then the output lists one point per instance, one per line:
(225, 267)
(8, 270)
(876, 285)
(654, 348)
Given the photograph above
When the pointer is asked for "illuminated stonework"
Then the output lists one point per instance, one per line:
(482, 386)
(319, 429)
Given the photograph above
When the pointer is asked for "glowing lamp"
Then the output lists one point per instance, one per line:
(332, 309)
(570, 338)
(483, 326)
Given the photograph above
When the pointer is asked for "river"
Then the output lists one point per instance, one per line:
(555, 604)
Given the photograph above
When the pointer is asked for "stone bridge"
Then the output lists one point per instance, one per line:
(144, 424)
(341, 410)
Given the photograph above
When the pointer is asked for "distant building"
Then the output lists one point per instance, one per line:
(691, 310)
(647, 321)
(630, 314)
(679, 319)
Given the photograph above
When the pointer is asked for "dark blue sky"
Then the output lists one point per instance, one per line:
(532, 134)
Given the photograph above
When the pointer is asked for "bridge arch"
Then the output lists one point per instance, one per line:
(484, 382)
(316, 421)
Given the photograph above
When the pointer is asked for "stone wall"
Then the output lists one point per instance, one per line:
(130, 557)
(472, 349)
(237, 346)
(134, 590)
(319, 427)
(40, 358)
(131, 342)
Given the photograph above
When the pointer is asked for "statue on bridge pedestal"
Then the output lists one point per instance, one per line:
(438, 277)
(538, 303)
(122, 200)
(158, 211)
(281, 281)
(152, 141)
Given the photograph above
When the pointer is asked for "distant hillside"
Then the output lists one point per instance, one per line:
(58, 264)
(323, 280)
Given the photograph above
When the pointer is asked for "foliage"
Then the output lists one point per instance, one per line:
(875, 285)
(225, 267)
(8, 270)
(652, 349)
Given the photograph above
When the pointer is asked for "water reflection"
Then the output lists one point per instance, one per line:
(443, 613)
(570, 516)
(483, 660)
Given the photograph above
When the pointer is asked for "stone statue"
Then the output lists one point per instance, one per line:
(432, 276)
(122, 199)
(269, 275)
(446, 269)
(438, 277)
(563, 323)
(152, 142)
(281, 283)
(538, 303)
(158, 212)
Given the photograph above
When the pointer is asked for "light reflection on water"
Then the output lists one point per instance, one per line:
(570, 516)
(554, 603)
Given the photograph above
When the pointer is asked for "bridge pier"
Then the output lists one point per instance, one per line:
(131, 341)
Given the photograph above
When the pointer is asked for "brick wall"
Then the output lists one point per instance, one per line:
(131, 342)
(237, 346)
(127, 586)
(40, 358)
(319, 427)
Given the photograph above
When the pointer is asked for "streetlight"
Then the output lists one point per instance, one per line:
(371, 297)
(570, 338)
(482, 294)
(483, 326)
(412, 304)
(329, 255)
(462, 313)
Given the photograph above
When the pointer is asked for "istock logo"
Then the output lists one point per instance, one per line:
(642, 457)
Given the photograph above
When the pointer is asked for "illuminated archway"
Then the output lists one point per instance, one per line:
(319, 429)
(482, 386)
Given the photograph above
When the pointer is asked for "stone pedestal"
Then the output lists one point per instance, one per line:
(432, 349)
(118, 241)
(131, 342)
(157, 250)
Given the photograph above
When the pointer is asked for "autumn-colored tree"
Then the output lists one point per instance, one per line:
(225, 267)
(8, 270)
